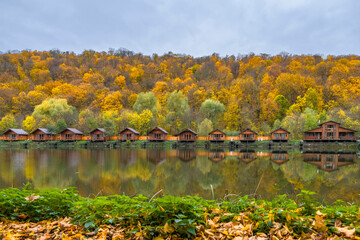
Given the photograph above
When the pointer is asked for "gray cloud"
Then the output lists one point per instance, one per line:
(195, 27)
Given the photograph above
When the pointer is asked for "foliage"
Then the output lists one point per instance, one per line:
(146, 101)
(184, 216)
(53, 109)
(29, 124)
(7, 122)
(259, 91)
(178, 109)
(212, 110)
(205, 127)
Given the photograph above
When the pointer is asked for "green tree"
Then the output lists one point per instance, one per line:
(310, 117)
(108, 120)
(60, 125)
(53, 109)
(283, 105)
(87, 121)
(212, 110)
(178, 108)
(146, 101)
(7, 122)
(205, 127)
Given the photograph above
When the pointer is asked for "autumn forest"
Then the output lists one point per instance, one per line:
(120, 88)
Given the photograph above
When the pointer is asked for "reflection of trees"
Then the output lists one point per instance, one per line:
(203, 164)
(146, 188)
(114, 171)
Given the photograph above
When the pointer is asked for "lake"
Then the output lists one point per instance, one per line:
(184, 172)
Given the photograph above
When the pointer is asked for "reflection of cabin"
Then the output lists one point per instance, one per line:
(216, 156)
(99, 135)
(217, 136)
(156, 156)
(186, 155)
(42, 134)
(187, 135)
(329, 161)
(129, 134)
(70, 134)
(13, 134)
(157, 135)
(248, 135)
(330, 131)
(247, 157)
(279, 157)
(280, 135)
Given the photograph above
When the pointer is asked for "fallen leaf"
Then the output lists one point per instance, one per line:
(347, 231)
(168, 228)
(32, 197)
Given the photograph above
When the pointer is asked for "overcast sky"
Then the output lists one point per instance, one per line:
(194, 27)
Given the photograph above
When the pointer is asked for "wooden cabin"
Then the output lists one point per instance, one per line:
(14, 134)
(248, 135)
(187, 135)
(328, 132)
(279, 157)
(280, 135)
(42, 134)
(247, 157)
(129, 134)
(99, 135)
(157, 135)
(217, 136)
(216, 156)
(186, 155)
(329, 161)
(70, 134)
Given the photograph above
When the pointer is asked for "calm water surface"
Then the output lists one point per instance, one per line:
(184, 172)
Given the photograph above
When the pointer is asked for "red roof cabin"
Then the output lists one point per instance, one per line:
(187, 135)
(129, 134)
(157, 135)
(42, 134)
(14, 134)
(70, 134)
(99, 135)
(280, 135)
(330, 131)
(217, 136)
(248, 135)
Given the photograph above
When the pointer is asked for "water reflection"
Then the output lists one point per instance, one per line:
(247, 156)
(216, 155)
(186, 155)
(329, 161)
(279, 157)
(183, 172)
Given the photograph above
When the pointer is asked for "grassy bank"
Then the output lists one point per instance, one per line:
(66, 213)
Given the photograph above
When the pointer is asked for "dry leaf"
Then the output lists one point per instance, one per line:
(168, 228)
(32, 197)
(347, 231)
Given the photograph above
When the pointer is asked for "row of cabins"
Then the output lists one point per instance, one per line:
(329, 131)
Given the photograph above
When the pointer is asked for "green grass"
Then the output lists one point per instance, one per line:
(182, 213)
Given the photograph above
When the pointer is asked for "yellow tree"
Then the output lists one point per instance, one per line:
(112, 102)
(232, 115)
(29, 124)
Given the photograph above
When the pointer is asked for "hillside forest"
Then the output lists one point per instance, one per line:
(120, 88)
